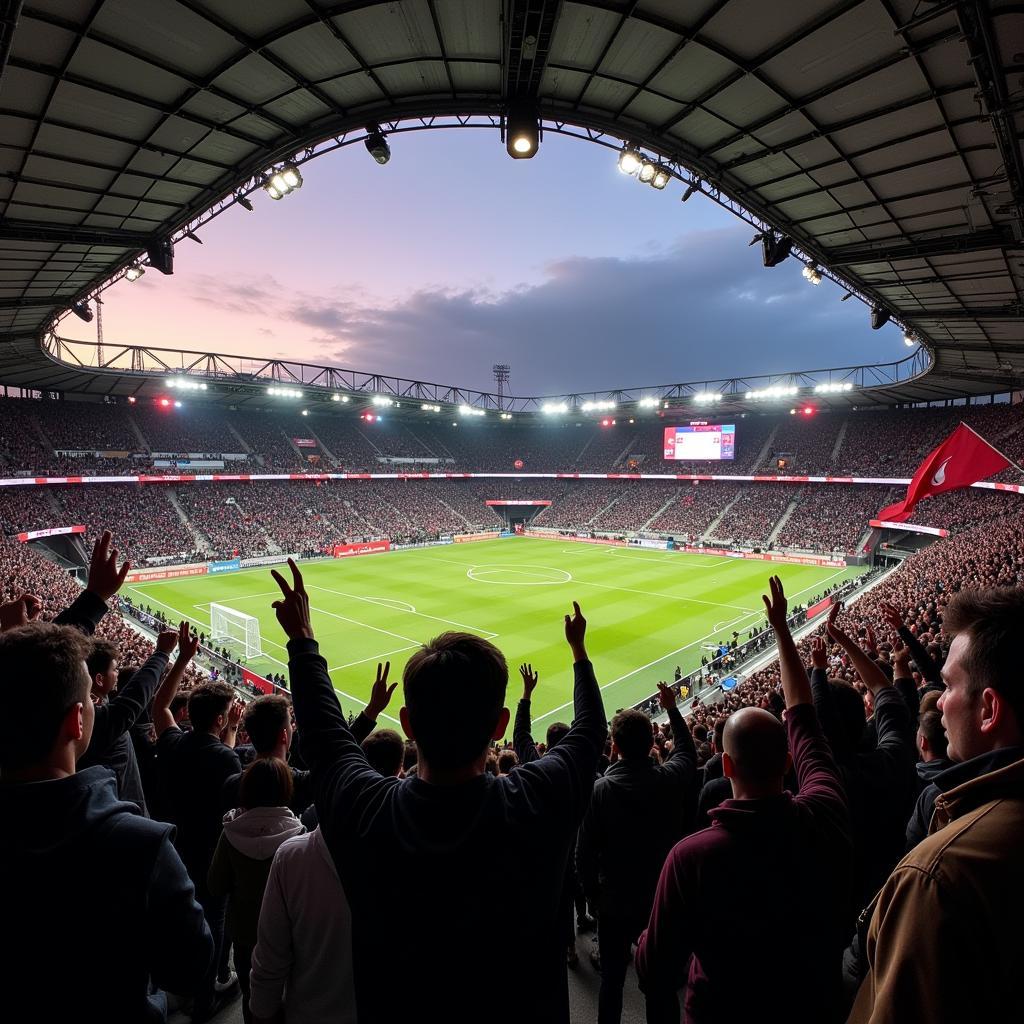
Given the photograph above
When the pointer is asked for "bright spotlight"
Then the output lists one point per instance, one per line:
(381, 400)
(661, 178)
(909, 338)
(648, 169)
(283, 182)
(305, 412)
(707, 397)
(776, 391)
(648, 403)
(629, 160)
(522, 130)
(553, 408)
(134, 272)
(812, 273)
(177, 404)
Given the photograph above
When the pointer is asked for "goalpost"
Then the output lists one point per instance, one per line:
(234, 628)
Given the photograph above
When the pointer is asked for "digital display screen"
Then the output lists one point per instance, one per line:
(701, 442)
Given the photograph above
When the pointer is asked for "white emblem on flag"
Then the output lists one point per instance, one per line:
(940, 474)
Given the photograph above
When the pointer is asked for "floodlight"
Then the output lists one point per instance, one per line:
(161, 256)
(629, 160)
(775, 248)
(278, 184)
(83, 311)
(305, 412)
(177, 403)
(879, 318)
(909, 338)
(376, 145)
(522, 130)
(706, 397)
(661, 178)
(812, 273)
(134, 272)
(775, 391)
(243, 201)
(648, 169)
(648, 403)
(552, 408)
(694, 186)
(381, 400)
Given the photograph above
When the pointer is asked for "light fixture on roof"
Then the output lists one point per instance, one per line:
(630, 159)
(381, 400)
(305, 412)
(376, 144)
(429, 407)
(879, 317)
(243, 201)
(602, 406)
(648, 169)
(832, 387)
(648, 403)
(468, 410)
(83, 311)
(184, 384)
(339, 398)
(707, 397)
(276, 392)
(693, 187)
(909, 338)
(775, 391)
(506, 415)
(522, 129)
(553, 408)
(134, 272)
(661, 178)
(812, 273)
(280, 183)
(161, 256)
(774, 248)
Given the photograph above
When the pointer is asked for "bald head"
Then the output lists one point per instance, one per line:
(755, 744)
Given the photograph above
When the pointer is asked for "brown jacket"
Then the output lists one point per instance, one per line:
(946, 940)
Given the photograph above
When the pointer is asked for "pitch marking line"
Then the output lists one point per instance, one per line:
(667, 562)
(411, 610)
(376, 657)
(477, 572)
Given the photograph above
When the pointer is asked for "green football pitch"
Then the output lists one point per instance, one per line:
(647, 611)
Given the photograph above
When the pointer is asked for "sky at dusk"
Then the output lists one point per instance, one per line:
(453, 257)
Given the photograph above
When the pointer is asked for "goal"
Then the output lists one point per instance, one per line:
(235, 629)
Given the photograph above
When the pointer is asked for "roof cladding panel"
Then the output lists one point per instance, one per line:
(882, 137)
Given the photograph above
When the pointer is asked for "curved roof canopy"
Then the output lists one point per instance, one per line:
(884, 137)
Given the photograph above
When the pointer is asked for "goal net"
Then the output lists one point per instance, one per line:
(235, 629)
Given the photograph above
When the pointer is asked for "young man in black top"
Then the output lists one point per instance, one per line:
(454, 846)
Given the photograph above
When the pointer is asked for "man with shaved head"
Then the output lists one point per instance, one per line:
(766, 889)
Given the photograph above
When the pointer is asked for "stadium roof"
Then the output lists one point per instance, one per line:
(883, 136)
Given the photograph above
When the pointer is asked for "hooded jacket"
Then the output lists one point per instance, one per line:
(241, 864)
(763, 886)
(101, 889)
(945, 942)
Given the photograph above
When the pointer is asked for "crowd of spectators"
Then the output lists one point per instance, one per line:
(752, 517)
(834, 517)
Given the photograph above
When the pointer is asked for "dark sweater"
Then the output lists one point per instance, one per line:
(111, 744)
(86, 873)
(450, 861)
(636, 815)
(757, 896)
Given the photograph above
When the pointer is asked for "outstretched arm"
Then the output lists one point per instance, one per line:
(380, 697)
(188, 644)
(796, 687)
(522, 738)
(104, 581)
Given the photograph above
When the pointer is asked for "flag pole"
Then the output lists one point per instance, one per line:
(993, 447)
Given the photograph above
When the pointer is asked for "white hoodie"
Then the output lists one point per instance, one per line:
(258, 833)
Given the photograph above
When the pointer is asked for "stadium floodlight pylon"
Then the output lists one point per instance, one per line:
(235, 629)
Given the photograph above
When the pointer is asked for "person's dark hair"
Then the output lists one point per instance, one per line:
(179, 702)
(555, 734)
(265, 718)
(42, 677)
(385, 750)
(454, 693)
(719, 732)
(267, 782)
(846, 727)
(991, 618)
(101, 657)
(632, 734)
(206, 702)
(700, 733)
(491, 767)
(411, 753)
(930, 727)
(507, 760)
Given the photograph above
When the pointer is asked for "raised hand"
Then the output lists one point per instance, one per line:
(380, 694)
(575, 632)
(666, 696)
(529, 680)
(166, 640)
(819, 653)
(872, 643)
(293, 611)
(776, 605)
(892, 617)
(188, 642)
(834, 630)
(901, 660)
(105, 579)
(235, 714)
(23, 609)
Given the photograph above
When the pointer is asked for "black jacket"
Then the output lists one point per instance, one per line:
(111, 744)
(636, 815)
(452, 861)
(101, 889)
(880, 784)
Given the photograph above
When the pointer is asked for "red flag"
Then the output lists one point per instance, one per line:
(962, 459)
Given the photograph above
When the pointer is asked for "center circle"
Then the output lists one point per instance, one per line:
(518, 575)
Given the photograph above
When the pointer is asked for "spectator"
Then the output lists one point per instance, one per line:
(932, 747)
(944, 941)
(385, 751)
(74, 849)
(713, 885)
(252, 834)
(636, 816)
(433, 849)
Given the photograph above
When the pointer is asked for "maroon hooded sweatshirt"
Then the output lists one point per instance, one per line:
(759, 899)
